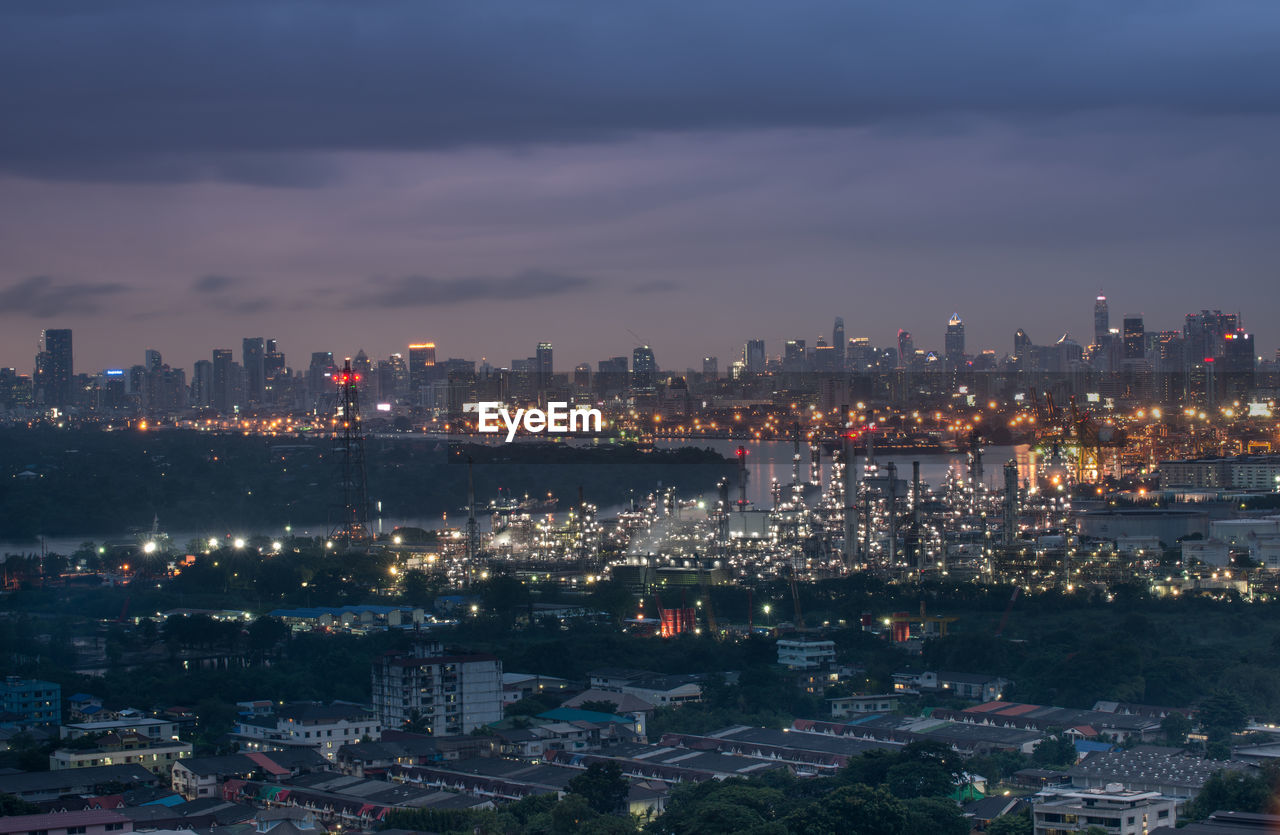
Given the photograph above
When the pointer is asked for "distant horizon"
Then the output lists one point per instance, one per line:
(299, 357)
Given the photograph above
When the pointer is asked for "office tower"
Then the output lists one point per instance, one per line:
(906, 348)
(860, 356)
(711, 367)
(611, 375)
(202, 384)
(1021, 343)
(837, 342)
(644, 368)
(824, 356)
(222, 392)
(153, 360)
(1101, 320)
(253, 357)
(1205, 333)
(581, 376)
(795, 355)
(1135, 338)
(422, 364)
(54, 367)
(753, 355)
(953, 346)
(543, 365)
(320, 379)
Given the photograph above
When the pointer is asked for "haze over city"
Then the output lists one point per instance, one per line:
(489, 177)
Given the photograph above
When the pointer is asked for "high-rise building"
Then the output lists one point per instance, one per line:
(422, 364)
(753, 355)
(223, 387)
(1135, 337)
(795, 355)
(644, 368)
(202, 384)
(711, 367)
(1101, 320)
(153, 361)
(581, 376)
(452, 694)
(611, 375)
(860, 356)
(953, 346)
(1021, 343)
(906, 348)
(837, 342)
(1205, 333)
(544, 365)
(253, 356)
(54, 368)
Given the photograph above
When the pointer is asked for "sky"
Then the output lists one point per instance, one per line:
(489, 174)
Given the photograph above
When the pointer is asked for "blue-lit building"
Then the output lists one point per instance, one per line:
(28, 701)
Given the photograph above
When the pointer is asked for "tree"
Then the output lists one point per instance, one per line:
(859, 809)
(1019, 824)
(1230, 791)
(928, 779)
(599, 706)
(1175, 726)
(936, 816)
(1054, 750)
(602, 786)
(11, 804)
(1222, 714)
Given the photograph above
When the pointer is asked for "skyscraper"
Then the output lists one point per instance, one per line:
(253, 355)
(544, 366)
(953, 347)
(753, 355)
(1101, 320)
(1135, 337)
(422, 363)
(54, 367)
(644, 368)
(711, 367)
(906, 348)
(222, 384)
(837, 342)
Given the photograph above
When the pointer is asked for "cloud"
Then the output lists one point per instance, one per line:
(214, 283)
(423, 291)
(144, 90)
(43, 297)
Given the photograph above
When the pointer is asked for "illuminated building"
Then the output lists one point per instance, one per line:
(953, 347)
(54, 367)
(422, 364)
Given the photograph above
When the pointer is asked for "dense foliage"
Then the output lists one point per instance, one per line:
(88, 482)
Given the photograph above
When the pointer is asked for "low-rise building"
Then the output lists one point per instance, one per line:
(655, 688)
(91, 822)
(31, 701)
(806, 653)
(322, 728)
(123, 748)
(845, 706)
(1170, 771)
(39, 786)
(1114, 809)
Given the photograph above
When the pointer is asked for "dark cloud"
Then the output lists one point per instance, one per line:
(42, 297)
(423, 291)
(156, 90)
(214, 283)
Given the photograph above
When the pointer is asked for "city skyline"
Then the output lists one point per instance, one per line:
(563, 364)
(462, 177)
